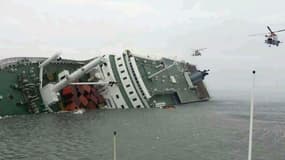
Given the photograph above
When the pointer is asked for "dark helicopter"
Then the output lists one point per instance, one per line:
(271, 37)
(197, 52)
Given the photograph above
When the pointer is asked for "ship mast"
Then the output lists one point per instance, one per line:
(251, 117)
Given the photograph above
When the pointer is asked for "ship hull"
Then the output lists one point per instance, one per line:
(125, 81)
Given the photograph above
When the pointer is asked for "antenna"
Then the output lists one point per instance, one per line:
(114, 146)
(251, 116)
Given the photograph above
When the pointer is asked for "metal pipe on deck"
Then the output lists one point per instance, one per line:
(93, 83)
(47, 61)
(49, 92)
(77, 74)
(160, 71)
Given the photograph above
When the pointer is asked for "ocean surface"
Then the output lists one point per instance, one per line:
(213, 130)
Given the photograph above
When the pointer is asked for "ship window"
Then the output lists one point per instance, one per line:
(128, 85)
(123, 106)
(105, 64)
(138, 106)
(124, 78)
(120, 65)
(119, 58)
(122, 71)
(134, 99)
(131, 92)
(108, 73)
(117, 96)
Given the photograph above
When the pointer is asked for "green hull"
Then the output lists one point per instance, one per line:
(20, 85)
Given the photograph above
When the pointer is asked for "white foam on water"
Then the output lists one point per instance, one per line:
(59, 112)
(4, 117)
(79, 111)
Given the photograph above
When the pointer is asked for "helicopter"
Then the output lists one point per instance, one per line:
(197, 52)
(271, 37)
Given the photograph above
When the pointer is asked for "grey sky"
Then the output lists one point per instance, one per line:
(145, 26)
(86, 28)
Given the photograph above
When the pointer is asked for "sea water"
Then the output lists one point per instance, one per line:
(213, 130)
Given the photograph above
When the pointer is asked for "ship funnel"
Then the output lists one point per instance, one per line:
(199, 76)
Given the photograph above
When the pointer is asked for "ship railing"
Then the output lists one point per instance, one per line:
(11, 61)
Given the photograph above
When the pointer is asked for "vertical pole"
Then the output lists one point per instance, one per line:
(114, 146)
(251, 117)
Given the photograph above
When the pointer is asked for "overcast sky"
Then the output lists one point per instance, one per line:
(83, 29)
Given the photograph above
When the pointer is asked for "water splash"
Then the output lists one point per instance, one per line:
(79, 111)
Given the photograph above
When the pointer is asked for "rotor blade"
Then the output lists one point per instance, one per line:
(201, 49)
(257, 34)
(282, 30)
(269, 29)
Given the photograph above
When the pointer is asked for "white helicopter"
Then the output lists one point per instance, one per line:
(197, 52)
(271, 37)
